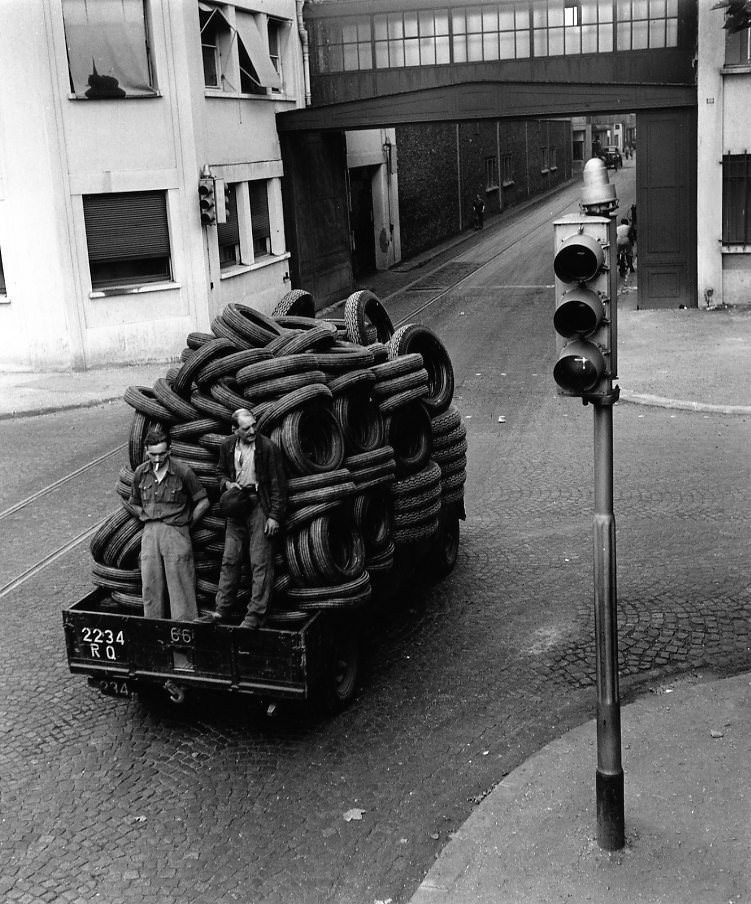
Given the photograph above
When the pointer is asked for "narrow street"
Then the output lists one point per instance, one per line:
(120, 801)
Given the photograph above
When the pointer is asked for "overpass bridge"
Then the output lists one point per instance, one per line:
(380, 63)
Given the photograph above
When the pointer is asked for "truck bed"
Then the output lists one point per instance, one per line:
(123, 652)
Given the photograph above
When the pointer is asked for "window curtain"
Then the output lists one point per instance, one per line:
(107, 49)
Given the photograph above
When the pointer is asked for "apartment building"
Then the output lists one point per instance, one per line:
(110, 112)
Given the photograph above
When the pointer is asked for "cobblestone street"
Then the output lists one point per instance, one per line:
(125, 801)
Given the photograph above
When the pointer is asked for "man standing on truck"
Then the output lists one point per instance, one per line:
(168, 498)
(254, 498)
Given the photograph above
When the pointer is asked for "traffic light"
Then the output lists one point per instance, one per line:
(585, 315)
(207, 200)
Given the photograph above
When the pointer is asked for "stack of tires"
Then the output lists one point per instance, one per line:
(374, 449)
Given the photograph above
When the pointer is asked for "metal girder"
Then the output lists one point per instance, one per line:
(487, 100)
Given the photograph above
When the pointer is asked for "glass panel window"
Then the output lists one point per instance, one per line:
(736, 199)
(507, 163)
(647, 24)
(127, 234)
(491, 173)
(277, 31)
(349, 44)
(108, 49)
(259, 215)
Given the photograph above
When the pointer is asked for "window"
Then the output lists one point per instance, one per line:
(507, 165)
(738, 48)
(3, 290)
(736, 199)
(108, 49)
(228, 233)
(412, 38)
(259, 216)
(572, 26)
(544, 159)
(277, 32)
(647, 23)
(490, 33)
(236, 58)
(491, 173)
(128, 238)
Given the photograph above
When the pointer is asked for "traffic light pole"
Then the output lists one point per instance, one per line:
(609, 780)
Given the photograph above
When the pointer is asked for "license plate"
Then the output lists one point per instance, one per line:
(113, 687)
(102, 644)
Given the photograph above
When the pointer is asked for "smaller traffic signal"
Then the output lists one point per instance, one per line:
(584, 317)
(207, 200)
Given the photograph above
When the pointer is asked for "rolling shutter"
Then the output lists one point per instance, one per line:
(126, 226)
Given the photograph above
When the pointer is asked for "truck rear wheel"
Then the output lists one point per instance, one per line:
(446, 544)
(342, 671)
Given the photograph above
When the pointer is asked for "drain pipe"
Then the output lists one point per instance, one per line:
(303, 32)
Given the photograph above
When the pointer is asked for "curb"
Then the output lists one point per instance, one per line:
(639, 398)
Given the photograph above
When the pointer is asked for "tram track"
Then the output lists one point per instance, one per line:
(51, 488)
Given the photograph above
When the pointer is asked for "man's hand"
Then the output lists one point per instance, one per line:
(272, 527)
(232, 485)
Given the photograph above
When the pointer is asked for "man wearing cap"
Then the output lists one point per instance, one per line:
(254, 498)
(168, 497)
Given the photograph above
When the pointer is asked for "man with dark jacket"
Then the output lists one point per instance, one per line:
(252, 468)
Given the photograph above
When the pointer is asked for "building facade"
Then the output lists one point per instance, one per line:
(103, 139)
(723, 161)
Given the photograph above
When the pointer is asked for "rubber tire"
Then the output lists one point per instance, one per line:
(364, 306)
(445, 545)
(414, 337)
(296, 302)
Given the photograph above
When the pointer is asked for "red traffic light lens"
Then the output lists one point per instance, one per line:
(579, 367)
(579, 259)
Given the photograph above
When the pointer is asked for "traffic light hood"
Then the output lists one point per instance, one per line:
(598, 195)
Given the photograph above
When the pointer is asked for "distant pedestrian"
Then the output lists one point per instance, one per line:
(168, 497)
(478, 206)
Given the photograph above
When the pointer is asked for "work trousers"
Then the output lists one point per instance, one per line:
(242, 533)
(168, 574)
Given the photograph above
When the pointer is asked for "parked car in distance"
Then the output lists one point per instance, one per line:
(612, 157)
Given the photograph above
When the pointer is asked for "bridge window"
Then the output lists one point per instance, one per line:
(344, 45)
(736, 199)
(572, 26)
(412, 38)
(646, 24)
(491, 33)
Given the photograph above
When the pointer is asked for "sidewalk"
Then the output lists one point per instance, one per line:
(688, 826)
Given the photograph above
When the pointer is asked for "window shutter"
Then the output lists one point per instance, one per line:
(126, 225)
(259, 209)
(229, 233)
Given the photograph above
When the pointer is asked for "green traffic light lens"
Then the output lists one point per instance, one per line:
(579, 368)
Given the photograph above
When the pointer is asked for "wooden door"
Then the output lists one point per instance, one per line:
(666, 208)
